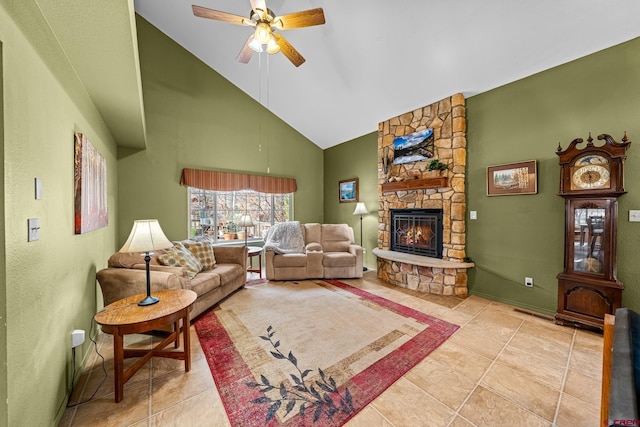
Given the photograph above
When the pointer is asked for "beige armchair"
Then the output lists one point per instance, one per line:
(330, 252)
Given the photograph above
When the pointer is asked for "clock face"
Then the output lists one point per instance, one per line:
(590, 176)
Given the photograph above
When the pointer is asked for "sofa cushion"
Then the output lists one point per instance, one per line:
(336, 237)
(338, 259)
(203, 251)
(205, 281)
(179, 256)
(290, 260)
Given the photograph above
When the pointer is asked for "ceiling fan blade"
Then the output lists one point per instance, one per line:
(289, 51)
(305, 18)
(217, 15)
(246, 53)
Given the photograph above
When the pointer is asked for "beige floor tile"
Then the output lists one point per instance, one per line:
(405, 404)
(547, 343)
(495, 325)
(583, 387)
(587, 362)
(533, 366)
(526, 392)
(201, 410)
(575, 412)
(430, 375)
(179, 385)
(485, 408)
(134, 407)
(473, 305)
(368, 417)
(468, 363)
(480, 344)
(461, 422)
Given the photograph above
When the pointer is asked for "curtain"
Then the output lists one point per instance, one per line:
(231, 181)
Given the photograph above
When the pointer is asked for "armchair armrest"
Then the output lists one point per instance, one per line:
(231, 255)
(119, 283)
(313, 247)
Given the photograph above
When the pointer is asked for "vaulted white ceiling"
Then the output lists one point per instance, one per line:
(373, 60)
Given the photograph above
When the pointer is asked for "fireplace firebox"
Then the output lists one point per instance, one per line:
(417, 231)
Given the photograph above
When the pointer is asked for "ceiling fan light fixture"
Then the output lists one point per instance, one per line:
(272, 46)
(263, 33)
(255, 45)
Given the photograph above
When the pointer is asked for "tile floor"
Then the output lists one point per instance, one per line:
(502, 367)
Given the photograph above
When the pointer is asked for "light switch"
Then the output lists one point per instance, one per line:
(34, 229)
(473, 214)
(38, 183)
(634, 215)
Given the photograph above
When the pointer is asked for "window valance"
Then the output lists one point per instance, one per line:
(231, 181)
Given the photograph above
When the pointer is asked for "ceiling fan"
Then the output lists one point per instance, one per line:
(266, 23)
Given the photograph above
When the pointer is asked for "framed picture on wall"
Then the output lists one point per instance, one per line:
(512, 178)
(348, 190)
(90, 187)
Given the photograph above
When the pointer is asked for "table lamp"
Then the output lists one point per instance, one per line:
(245, 221)
(146, 236)
(361, 209)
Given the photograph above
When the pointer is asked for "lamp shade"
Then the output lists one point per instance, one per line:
(245, 221)
(146, 235)
(361, 209)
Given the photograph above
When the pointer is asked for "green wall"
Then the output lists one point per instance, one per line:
(357, 158)
(197, 119)
(48, 286)
(518, 236)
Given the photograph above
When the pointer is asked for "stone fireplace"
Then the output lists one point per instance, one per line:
(410, 187)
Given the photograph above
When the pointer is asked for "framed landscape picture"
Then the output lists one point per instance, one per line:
(348, 190)
(512, 178)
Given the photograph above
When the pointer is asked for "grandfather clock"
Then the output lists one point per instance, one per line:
(591, 180)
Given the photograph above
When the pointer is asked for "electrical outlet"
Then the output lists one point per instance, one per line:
(528, 282)
(77, 338)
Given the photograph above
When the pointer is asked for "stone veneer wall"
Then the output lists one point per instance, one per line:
(448, 120)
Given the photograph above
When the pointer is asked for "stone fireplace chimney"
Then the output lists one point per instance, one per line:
(412, 186)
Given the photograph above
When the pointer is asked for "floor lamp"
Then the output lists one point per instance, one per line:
(146, 236)
(245, 221)
(361, 209)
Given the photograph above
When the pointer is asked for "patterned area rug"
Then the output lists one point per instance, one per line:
(311, 353)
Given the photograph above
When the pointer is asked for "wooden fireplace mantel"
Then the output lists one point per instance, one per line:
(415, 184)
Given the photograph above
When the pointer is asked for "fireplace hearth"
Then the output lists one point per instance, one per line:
(417, 231)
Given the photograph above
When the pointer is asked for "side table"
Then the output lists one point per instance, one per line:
(253, 251)
(127, 317)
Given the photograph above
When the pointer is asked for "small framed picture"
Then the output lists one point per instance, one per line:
(512, 178)
(348, 190)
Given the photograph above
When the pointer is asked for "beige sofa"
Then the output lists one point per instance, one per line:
(329, 252)
(126, 276)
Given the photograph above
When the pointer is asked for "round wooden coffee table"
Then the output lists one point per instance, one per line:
(127, 317)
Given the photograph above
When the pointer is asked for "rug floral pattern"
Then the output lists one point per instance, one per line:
(311, 353)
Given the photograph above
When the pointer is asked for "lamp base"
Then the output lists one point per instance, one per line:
(364, 268)
(149, 300)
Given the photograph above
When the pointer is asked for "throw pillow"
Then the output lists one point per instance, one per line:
(203, 251)
(179, 256)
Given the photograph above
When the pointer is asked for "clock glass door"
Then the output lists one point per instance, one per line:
(589, 248)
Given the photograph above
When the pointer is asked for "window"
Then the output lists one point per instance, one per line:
(218, 213)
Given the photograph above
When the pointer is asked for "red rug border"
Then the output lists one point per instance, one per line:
(399, 362)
